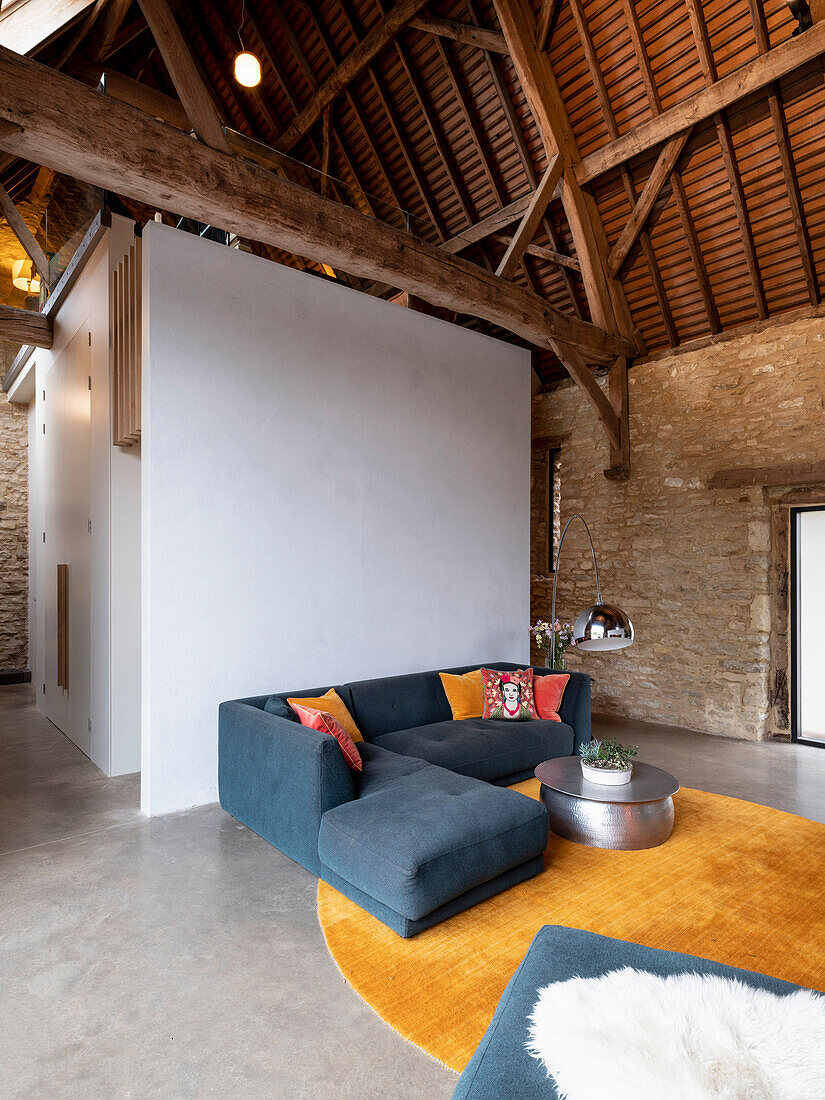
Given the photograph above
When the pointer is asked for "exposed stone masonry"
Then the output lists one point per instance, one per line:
(690, 565)
(14, 537)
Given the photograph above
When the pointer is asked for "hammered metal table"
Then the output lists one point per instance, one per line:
(636, 815)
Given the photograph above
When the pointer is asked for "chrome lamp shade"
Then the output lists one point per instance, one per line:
(602, 627)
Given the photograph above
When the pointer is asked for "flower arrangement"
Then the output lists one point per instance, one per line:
(555, 639)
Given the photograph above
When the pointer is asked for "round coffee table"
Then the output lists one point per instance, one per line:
(636, 815)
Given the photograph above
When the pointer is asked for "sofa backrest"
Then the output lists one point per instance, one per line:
(405, 702)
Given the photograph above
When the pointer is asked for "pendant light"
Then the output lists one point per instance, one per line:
(247, 67)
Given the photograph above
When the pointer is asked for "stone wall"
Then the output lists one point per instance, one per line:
(14, 537)
(691, 566)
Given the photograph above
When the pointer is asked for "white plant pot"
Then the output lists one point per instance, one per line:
(608, 777)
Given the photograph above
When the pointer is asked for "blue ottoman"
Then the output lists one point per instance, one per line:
(502, 1067)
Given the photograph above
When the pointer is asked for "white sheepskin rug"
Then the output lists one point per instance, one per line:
(631, 1035)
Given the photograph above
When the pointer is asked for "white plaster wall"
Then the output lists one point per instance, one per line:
(333, 488)
(115, 513)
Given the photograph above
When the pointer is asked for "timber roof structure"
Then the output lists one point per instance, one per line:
(653, 168)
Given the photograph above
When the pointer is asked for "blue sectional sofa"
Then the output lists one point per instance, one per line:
(428, 828)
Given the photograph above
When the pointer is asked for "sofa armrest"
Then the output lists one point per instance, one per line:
(279, 778)
(575, 705)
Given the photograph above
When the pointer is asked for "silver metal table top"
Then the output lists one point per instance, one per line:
(648, 784)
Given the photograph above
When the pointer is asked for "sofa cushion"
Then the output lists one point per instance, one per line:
(416, 843)
(401, 702)
(381, 768)
(483, 748)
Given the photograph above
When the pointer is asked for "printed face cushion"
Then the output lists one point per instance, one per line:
(547, 691)
(509, 695)
(465, 694)
(325, 723)
(333, 704)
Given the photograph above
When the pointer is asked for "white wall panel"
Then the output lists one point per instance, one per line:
(333, 487)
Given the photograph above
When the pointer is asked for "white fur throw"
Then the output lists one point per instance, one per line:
(631, 1035)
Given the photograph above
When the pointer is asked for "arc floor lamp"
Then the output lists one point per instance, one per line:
(601, 627)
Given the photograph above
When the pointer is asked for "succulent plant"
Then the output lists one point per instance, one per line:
(609, 754)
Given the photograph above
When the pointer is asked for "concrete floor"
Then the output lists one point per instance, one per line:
(181, 956)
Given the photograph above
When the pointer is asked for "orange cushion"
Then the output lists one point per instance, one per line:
(465, 694)
(547, 691)
(325, 723)
(333, 704)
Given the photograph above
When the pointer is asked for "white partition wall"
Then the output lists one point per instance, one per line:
(333, 488)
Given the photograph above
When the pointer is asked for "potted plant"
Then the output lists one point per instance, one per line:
(607, 762)
(555, 639)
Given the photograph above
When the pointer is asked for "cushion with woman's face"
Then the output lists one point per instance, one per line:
(509, 695)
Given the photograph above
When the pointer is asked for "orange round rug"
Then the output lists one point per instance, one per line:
(736, 882)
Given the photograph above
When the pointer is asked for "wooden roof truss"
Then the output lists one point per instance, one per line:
(564, 148)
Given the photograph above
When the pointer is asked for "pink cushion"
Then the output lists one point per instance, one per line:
(325, 723)
(547, 691)
(509, 695)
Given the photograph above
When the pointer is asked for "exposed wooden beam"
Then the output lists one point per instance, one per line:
(786, 158)
(784, 473)
(106, 29)
(617, 393)
(702, 105)
(547, 18)
(23, 326)
(607, 305)
(596, 75)
(679, 194)
(541, 253)
(353, 64)
(635, 223)
(24, 235)
(529, 223)
(465, 33)
(708, 65)
(586, 381)
(144, 159)
(193, 94)
(25, 27)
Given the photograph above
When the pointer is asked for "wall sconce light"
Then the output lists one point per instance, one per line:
(24, 276)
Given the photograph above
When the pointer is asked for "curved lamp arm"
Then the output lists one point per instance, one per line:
(575, 515)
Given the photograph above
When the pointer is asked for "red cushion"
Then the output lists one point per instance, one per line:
(547, 691)
(499, 684)
(325, 723)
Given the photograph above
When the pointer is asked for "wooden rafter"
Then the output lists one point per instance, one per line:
(597, 77)
(353, 64)
(641, 211)
(679, 194)
(586, 380)
(708, 66)
(617, 393)
(730, 89)
(24, 235)
(547, 18)
(493, 66)
(105, 31)
(193, 94)
(529, 223)
(63, 121)
(786, 158)
(24, 326)
(468, 34)
(541, 253)
(605, 297)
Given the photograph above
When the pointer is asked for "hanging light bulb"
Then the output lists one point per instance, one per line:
(247, 66)
(247, 69)
(24, 277)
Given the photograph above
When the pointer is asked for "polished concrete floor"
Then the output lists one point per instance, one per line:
(181, 956)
